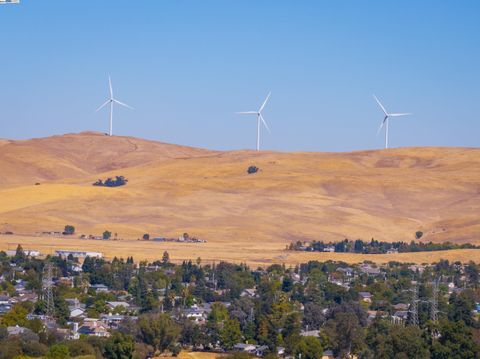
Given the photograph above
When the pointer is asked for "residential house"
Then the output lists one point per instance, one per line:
(94, 327)
(365, 296)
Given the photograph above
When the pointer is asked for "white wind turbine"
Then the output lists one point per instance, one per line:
(385, 119)
(259, 119)
(110, 101)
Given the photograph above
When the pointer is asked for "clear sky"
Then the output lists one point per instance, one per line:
(187, 66)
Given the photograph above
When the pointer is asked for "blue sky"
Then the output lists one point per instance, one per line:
(188, 66)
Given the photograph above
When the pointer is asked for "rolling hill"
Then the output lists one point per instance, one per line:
(385, 194)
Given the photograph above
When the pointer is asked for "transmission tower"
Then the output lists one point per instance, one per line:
(413, 311)
(47, 284)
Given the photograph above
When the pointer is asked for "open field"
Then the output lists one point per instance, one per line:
(385, 194)
(255, 254)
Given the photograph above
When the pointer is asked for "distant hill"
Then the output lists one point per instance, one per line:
(386, 194)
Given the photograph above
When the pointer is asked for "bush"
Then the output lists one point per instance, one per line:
(252, 169)
(109, 182)
(418, 234)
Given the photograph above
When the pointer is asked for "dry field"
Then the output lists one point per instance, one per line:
(385, 194)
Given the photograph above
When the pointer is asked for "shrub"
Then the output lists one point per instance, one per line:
(252, 169)
(418, 234)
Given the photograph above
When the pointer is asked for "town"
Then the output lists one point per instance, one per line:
(77, 303)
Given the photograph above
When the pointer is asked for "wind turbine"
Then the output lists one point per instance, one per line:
(110, 101)
(385, 119)
(259, 118)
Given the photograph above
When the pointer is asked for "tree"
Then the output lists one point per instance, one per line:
(165, 258)
(309, 348)
(455, 341)
(119, 346)
(16, 316)
(107, 235)
(146, 237)
(313, 316)
(69, 229)
(346, 333)
(230, 334)
(58, 351)
(20, 255)
(158, 330)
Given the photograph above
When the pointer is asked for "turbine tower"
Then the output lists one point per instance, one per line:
(259, 118)
(385, 119)
(110, 102)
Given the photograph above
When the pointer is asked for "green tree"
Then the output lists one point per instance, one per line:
(107, 235)
(309, 348)
(16, 316)
(230, 334)
(159, 331)
(119, 346)
(58, 351)
(455, 342)
(69, 229)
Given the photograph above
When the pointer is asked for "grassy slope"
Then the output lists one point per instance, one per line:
(296, 196)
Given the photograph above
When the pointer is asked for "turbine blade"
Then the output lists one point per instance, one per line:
(110, 85)
(105, 104)
(264, 122)
(399, 114)
(382, 124)
(247, 113)
(123, 104)
(265, 102)
(380, 104)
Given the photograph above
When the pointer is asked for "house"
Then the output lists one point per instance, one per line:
(328, 354)
(77, 313)
(400, 306)
(249, 292)
(16, 330)
(113, 320)
(246, 348)
(4, 299)
(113, 305)
(5, 308)
(400, 317)
(99, 288)
(330, 249)
(365, 296)
(77, 254)
(94, 327)
(368, 269)
(346, 271)
(310, 333)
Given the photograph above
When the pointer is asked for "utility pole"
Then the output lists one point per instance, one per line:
(47, 293)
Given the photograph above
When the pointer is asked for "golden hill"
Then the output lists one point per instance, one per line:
(385, 194)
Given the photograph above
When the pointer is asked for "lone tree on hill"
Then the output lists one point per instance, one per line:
(107, 235)
(69, 229)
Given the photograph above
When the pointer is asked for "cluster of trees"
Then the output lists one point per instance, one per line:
(110, 182)
(287, 301)
(377, 247)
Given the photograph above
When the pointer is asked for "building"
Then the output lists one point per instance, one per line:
(94, 327)
(365, 296)
(77, 254)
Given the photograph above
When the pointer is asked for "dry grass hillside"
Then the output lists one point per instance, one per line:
(386, 194)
